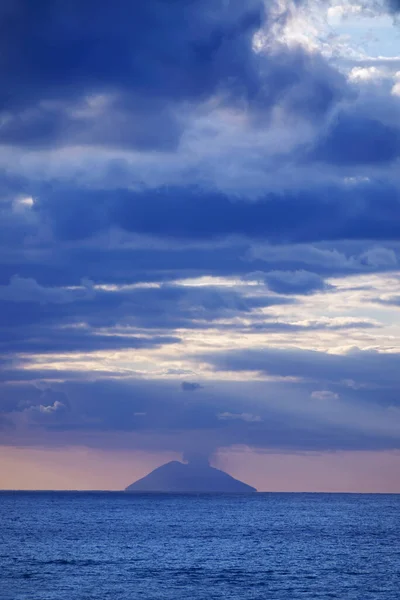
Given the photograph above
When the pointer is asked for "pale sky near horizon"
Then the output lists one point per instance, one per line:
(83, 469)
(200, 242)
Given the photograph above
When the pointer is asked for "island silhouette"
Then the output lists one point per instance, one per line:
(195, 476)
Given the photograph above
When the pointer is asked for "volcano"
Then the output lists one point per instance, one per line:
(192, 477)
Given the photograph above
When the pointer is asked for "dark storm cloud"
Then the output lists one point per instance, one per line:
(41, 339)
(351, 210)
(158, 306)
(16, 372)
(394, 5)
(135, 76)
(132, 57)
(112, 127)
(157, 48)
(67, 265)
(34, 318)
(75, 74)
(40, 319)
(155, 416)
(357, 140)
(370, 368)
(53, 340)
(295, 282)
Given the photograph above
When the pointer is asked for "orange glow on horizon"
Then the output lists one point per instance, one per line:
(88, 469)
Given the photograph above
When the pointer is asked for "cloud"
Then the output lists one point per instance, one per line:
(394, 5)
(189, 386)
(179, 182)
(294, 282)
(152, 60)
(324, 395)
(353, 210)
(39, 319)
(369, 368)
(48, 410)
(378, 257)
(132, 58)
(246, 417)
(339, 258)
(65, 340)
(25, 290)
(147, 415)
(356, 140)
(165, 54)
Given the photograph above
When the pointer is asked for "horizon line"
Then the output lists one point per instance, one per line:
(142, 493)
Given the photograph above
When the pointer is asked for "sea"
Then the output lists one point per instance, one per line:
(118, 546)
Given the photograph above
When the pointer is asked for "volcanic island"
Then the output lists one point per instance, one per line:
(191, 477)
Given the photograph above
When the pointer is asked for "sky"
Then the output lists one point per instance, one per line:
(200, 241)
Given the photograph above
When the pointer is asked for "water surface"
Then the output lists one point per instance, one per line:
(116, 546)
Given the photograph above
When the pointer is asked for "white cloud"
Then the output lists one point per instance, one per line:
(324, 395)
(396, 87)
(367, 74)
(247, 417)
(23, 203)
(53, 408)
(339, 11)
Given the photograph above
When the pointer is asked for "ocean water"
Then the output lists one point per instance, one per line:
(115, 546)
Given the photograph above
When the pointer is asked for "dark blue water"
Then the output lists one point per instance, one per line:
(80, 546)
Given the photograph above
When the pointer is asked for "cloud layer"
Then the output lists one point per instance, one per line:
(199, 233)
